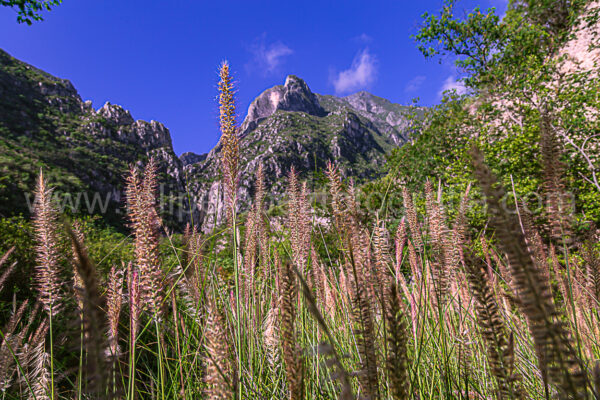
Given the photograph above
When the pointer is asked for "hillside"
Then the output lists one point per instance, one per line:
(288, 125)
(463, 264)
(44, 123)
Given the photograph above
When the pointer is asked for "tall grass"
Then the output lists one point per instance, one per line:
(347, 309)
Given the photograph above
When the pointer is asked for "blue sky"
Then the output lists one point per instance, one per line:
(159, 59)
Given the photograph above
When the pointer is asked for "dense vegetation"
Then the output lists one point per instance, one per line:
(518, 74)
(44, 124)
(471, 270)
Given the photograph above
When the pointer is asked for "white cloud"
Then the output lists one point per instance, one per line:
(415, 83)
(363, 38)
(360, 75)
(452, 84)
(267, 58)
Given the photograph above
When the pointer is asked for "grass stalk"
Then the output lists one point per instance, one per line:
(161, 379)
(51, 356)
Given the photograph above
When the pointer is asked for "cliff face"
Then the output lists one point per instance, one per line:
(86, 153)
(293, 96)
(288, 125)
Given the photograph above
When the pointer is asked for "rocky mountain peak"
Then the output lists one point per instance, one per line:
(152, 135)
(354, 132)
(189, 158)
(294, 95)
(116, 114)
(389, 118)
(365, 101)
(44, 122)
(292, 82)
(118, 124)
(287, 125)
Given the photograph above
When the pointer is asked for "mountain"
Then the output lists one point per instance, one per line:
(288, 125)
(85, 153)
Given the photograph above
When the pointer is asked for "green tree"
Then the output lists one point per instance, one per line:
(516, 72)
(30, 10)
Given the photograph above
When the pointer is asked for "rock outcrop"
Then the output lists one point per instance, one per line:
(294, 95)
(189, 157)
(45, 123)
(85, 153)
(288, 125)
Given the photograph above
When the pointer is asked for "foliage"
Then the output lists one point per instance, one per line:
(105, 244)
(516, 74)
(500, 308)
(44, 125)
(476, 40)
(30, 10)
(468, 338)
(17, 232)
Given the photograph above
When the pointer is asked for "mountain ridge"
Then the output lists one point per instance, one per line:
(289, 125)
(45, 123)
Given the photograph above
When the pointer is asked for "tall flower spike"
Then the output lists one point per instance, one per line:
(316, 277)
(77, 282)
(411, 216)
(270, 330)
(114, 302)
(358, 269)
(195, 274)
(397, 347)
(337, 193)
(141, 204)
(133, 288)
(365, 331)
(381, 276)
(220, 370)
(93, 318)
(440, 251)
(299, 221)
(250, 253)
(10, 345)
(256, 242)
(229, 140)
(400, 242)
(327, 348)
(592, 281)
(38, 372)
(493, 330)
(557, 357)
(47, 269)
(292, 354)
(460, 222)
(4, 276)
(557, 206)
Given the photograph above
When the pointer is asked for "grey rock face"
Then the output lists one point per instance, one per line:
(152, 134)
(115, 114)
(90, 150)
(287, 125)
(293, 96)
(58, 87)
(391, 119)
(189, 158)
(118, 124)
